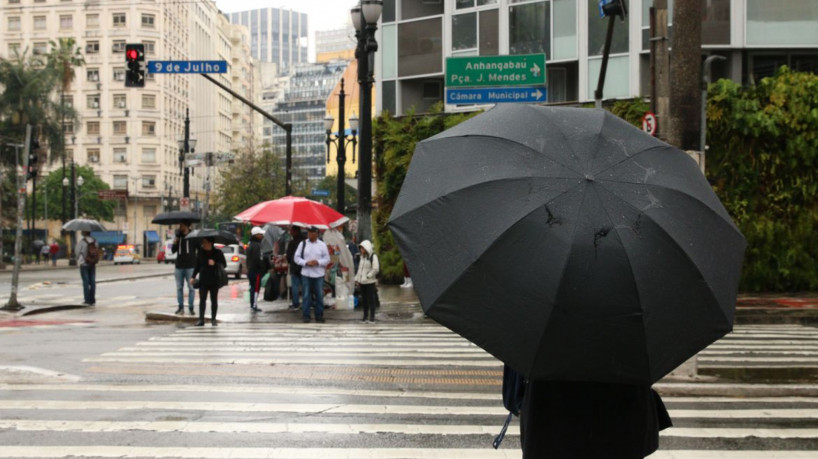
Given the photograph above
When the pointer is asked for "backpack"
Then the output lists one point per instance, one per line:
(513, 395)
(92, 256)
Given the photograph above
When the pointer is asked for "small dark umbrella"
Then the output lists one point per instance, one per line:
(83, 224)
(219, 237)
(570, 244)
(38, 243)
(176, 217)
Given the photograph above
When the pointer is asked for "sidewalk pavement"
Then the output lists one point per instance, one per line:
(62, 263)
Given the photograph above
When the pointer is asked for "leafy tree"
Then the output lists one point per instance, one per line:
(330, 183)
(253, 177)
(87, 199)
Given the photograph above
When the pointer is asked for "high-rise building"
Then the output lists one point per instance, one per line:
(303, 103)
(276, 35)
(334, 41)
(129, 136)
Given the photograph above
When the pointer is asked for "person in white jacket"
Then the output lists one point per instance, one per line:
(365, 280)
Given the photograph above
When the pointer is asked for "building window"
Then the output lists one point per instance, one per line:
(119, 19)
(68, 128)
(148, 128)
(14, 24)
(148, 101)
(92, 74)
(148, 181)
(67, 101)
(120, 155)
(790, 23)
(119, 74)
(419, 9)
(92, 47)
(120, 128)
(420, 49)
(529, 28)
(464, 31)
(148, 211)
(40, 48)
(39, 23)
(66, 21)
(92, 127)
(93, 155)
(150, 48)
(118, 46)
(149, 155)
(120, 183)
(120, 101)
(92, 21)
(14, 49)
(93, 101)
(148, 21)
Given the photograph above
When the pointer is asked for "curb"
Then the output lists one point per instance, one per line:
(46, 309)
(692, 389)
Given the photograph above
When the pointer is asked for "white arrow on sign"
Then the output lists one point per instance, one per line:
(537, 94)
(535, 70)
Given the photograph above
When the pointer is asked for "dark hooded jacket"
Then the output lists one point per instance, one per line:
(186, 252)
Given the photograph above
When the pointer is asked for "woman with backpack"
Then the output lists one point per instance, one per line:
(207, 263)
(365, 280)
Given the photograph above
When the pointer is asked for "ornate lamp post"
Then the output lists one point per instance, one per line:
(365, 18)
(74, 182)
(340, 141)
(186, 145)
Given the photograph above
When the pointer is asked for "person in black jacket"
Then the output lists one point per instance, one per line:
(255, 266)
(295, 270)
(573, 419)
(207, 260)
(185, 262)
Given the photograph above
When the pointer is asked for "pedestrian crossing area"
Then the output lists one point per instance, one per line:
(349, 390)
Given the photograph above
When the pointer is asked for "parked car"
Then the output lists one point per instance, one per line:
(170, 257)
(126, 254)
(236, 259)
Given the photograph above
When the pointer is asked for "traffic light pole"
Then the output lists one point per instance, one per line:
(13, 304)
(288, 128)
(186, 183)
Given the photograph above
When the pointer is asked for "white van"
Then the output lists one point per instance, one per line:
(170, 257)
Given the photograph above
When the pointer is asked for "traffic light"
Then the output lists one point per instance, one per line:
(31, 173)
(613, 8)
(135, 61)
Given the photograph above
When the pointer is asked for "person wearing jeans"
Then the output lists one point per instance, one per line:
(313, 257)
(88, 271)
(295, 270)
(186, 251)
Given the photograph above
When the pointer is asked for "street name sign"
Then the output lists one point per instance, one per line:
(187, 66)
(208, 158)
(496, 95)
(320, 192)
(478, 71)
(112, 195)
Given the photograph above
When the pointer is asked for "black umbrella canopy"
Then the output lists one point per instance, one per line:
(219, 237)
(176, 217)
(569, 244)
(82, 224)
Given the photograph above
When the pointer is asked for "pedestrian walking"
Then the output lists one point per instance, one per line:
(295, 269)
(256, 267)
(313, 257)
(186, 252)
(366, 279)
(407, 278)
(45, 250)
(207, 260)
(590, 419)
(54, 249)
(88, 254)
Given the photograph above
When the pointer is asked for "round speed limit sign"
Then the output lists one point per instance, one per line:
(649, 123)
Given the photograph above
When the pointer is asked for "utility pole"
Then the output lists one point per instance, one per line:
(73, 260)
(685, 72)
(610, 9)
(13, 304)
(186, 183)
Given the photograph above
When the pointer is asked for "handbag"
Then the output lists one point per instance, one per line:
(195, 283)
(221, 275)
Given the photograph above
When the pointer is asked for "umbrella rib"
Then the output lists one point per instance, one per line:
(567, 259)
(689, 259)
(633, 275)
(628, 158)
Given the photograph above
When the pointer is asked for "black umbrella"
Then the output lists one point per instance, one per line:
(220, 237)
(83, 224)
(569, 244)
(176, 217)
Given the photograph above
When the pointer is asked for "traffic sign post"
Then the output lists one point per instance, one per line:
(184, 204)
(187, 66)
(649, 123)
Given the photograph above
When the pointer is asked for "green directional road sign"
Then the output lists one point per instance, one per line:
(477, 71)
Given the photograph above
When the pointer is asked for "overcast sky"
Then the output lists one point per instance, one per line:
(322, 14)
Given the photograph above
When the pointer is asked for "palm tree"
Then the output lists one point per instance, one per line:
(64, 56)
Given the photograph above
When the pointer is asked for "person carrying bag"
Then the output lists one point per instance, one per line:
(210, 264)
(366, 280)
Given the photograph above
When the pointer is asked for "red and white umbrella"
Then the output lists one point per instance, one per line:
(292, 210)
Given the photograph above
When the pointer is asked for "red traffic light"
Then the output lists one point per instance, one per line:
(132, 54)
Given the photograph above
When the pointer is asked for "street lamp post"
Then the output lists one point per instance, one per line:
(340, 141)
(72, 182)
(365, 18)
(186, 145)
